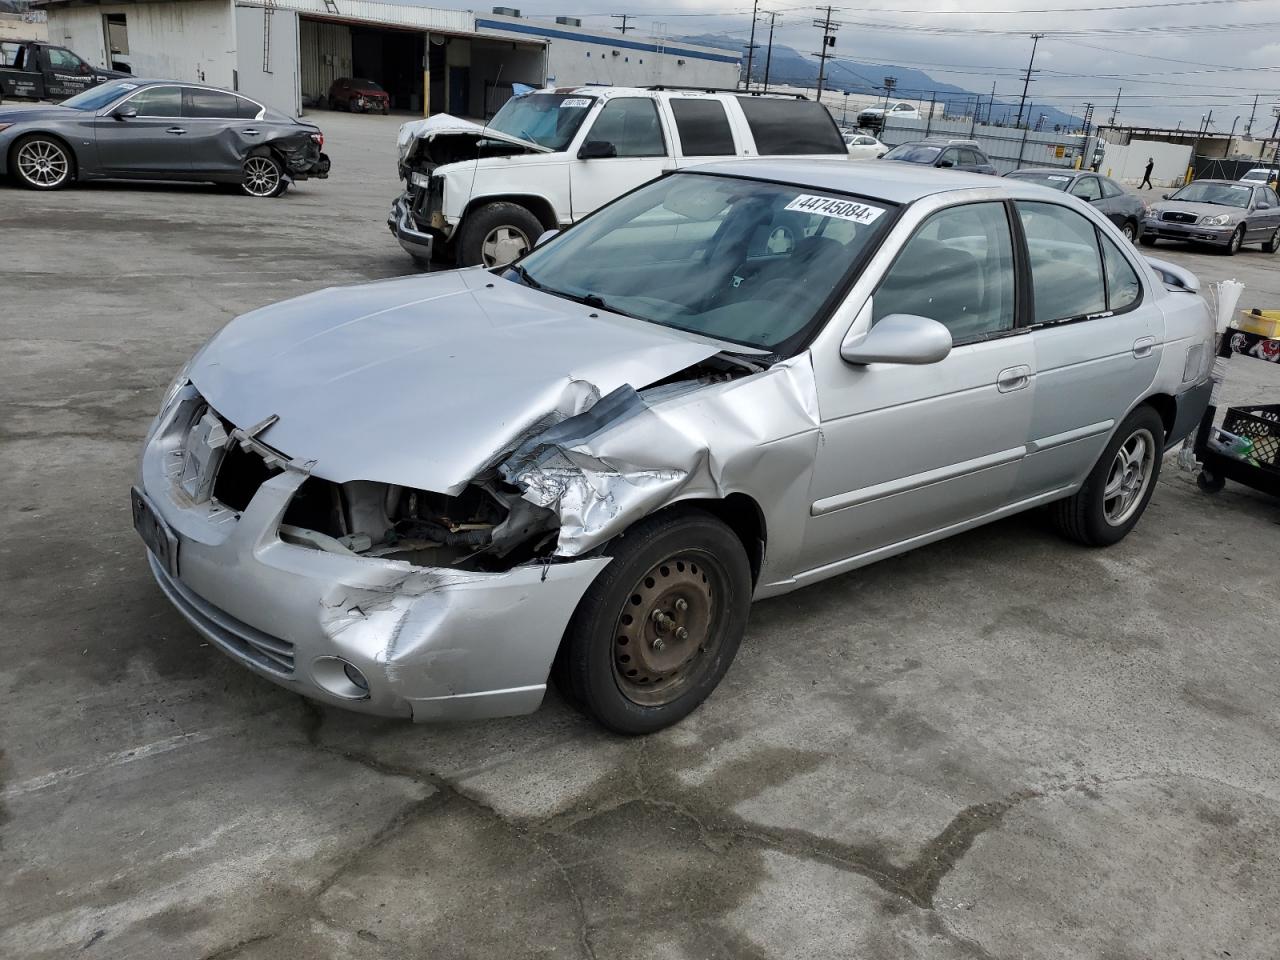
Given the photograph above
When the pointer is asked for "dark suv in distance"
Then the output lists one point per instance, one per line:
(963, 155)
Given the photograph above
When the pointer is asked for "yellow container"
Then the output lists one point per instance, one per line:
(1265, 322)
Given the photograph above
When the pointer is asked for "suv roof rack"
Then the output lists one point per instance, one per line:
(739, 93)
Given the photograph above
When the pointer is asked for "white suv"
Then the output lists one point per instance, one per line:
(484, 194)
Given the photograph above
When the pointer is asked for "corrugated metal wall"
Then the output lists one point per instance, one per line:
(325, 55)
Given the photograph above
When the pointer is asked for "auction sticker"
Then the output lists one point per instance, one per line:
(571, 102)
(831, 207)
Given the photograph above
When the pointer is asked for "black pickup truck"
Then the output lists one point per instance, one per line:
(42, 71)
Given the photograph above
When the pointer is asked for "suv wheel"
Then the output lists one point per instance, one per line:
(657, 630)
(496, 234)
(1119, 486)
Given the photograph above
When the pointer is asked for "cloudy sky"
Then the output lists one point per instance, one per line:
(1174, 60)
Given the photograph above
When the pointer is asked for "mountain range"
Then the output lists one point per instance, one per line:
(790, 66)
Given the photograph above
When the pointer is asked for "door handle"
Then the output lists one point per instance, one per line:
(250, 133)
(1013, 378)
(1142, 346)
(178, 131)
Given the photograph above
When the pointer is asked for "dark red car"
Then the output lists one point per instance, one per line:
(358, 96)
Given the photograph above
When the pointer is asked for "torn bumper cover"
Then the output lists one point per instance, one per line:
(431, 644)
(417, 243)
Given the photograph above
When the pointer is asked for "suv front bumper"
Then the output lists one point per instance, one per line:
(417, 243)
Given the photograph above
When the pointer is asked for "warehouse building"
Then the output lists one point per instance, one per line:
(287, 52)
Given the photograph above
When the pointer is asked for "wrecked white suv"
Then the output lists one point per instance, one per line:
(482, 195)
(424, 496)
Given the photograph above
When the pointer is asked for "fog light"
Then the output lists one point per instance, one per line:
(340, 678)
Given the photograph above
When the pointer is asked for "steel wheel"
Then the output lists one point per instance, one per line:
(43, 163)
(261, 176)
(501, 245)
(1129, 477)
(1129, 232)
(665, 639)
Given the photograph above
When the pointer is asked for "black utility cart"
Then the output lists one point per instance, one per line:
(1249, 453)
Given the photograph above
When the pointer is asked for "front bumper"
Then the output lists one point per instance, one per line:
(1164, 230)
(432, 644)
(417, 243)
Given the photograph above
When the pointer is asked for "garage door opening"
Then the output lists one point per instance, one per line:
(390, 58)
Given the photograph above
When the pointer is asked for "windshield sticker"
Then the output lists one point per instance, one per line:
(839, 209)
(128, 86)
(1234, 186)
(575, 102)
(1055, 176)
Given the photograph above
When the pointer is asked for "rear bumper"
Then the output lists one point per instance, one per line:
(1191, 406)
(417, 243)
(318, 168)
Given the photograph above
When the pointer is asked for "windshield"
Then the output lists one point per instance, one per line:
(737, 260)
(1058, 181)
(95, 98)
(547, 119)
(367, 84)
(914, 153)
(1256, 176)
(1221, 194)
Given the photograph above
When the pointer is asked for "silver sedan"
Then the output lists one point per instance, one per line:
(426, 497)
(1225, 213)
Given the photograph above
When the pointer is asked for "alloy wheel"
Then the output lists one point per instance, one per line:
(502, 245)
(1128, 232)
(261, 176)
(1129, 477)
(1237, 239)
(666, 636)
(43, 163)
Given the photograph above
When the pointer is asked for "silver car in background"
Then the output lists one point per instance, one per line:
(425, 496)
(1224, 213)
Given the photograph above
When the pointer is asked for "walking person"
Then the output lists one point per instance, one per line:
(1146, 174)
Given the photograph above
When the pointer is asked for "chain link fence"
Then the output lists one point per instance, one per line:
(1008, 147)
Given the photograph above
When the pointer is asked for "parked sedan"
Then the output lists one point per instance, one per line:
(358, 96)
(963, 155)
(159, 130)
(1225, 213)
(423, 496)
(1123, 209)
(863, 146)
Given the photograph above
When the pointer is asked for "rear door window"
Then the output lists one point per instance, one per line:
(209, 104)
(631, 125)
(1087, 189)
(703, 127)
(1110, 188)
(782, 127)
(246, 109)
(1066, 267)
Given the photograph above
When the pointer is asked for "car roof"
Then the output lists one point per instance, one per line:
(1060, 171)
(884, 180)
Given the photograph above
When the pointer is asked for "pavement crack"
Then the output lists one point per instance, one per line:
(225, 953)
(584, 925)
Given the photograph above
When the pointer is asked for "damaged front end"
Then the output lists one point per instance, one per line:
(417, 216)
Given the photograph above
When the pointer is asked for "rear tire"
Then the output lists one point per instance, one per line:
(496, 234)
(1272, 244)
(42, 162)
(263, 175)
(1118, 488)
(657, 629)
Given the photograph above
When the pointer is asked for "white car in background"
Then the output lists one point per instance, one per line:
(863, 146)
(1260, 175)
(873, 117)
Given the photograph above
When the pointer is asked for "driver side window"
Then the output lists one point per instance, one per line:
(631, 125)
(64, 59)
(1087, 189)
(956, 269)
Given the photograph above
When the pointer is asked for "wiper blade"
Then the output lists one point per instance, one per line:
(589, 300)
(523, 274)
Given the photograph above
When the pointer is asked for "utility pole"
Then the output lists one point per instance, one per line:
(1026, 81)
(1116, 108)
(829, 27)
(768, 56)
(751, 44)
(1248, 127)
(624, 17)
(889, 84)
(1275, 156)
(992, 102)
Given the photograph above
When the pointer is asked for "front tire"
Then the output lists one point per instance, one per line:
(1147, 241)
(41, 162)
(1119, 486)
(496, 234)
(1236, 242)
(657, 630)
(263, 176)
(1130, 230)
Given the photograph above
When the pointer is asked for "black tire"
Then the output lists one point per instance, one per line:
(1130, 230)
(1235, 243)
(1147, 241)
(264, 175)
(1272, 243)
(484, 226)
(42, 162)
(1210, 482)
(1085, 516)
(680, 556)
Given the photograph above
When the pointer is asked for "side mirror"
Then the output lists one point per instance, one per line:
(945, 163)
(597, 150)
(125, 113)
(544, 237)
(899, 338)
(1166, 196)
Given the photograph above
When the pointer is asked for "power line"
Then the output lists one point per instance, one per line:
(624, 17)
(1112, 6)
(1185, 29)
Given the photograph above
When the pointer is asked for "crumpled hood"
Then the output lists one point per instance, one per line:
(442, 124)
(1199, 209)
(425, 381)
